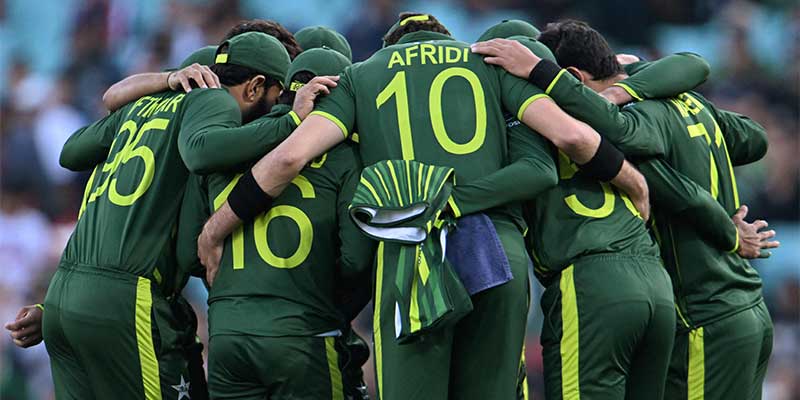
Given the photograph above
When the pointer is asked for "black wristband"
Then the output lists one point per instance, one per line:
(606, 162)
(247, 200)
(543, 73)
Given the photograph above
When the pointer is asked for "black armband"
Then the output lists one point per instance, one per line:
(606, 162)
(543, 73)
(247, 200)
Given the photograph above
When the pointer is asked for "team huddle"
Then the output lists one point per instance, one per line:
(428, 179)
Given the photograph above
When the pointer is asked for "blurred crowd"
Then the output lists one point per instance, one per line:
(57, 57)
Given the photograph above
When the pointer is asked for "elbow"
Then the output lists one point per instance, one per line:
(110, 100)
(199, 165)
(699, 62)
(574, 142)
(291, 162)
(68, 160)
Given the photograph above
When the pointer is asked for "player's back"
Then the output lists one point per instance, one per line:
(278, 274)
(430, 99)
(709, 282)
(131, 200)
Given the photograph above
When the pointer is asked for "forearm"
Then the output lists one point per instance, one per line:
(679, 197)
(522, 180)
(591, 108)
(631, 181)
(202, 153)
(134, 87)
(666, 77)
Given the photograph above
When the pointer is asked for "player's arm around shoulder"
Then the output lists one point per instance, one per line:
(205, 112)
(89, 145)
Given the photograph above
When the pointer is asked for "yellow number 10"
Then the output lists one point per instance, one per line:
(398, 88)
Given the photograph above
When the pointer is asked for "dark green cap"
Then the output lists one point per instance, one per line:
(319, 61)
(508, 28)
(255, 50)
(312, 37)
(536, 47)
(203, 56)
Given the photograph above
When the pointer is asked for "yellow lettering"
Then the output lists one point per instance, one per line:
(452, 55)
(466, 53)
(175, 101)
(427, 51)
(396, 59)
(411, 52)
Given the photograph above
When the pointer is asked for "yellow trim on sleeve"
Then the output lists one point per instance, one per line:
(333, 119)
(354, 137)
(570, 380)
(295, 117)
(144, 341)
(221, 58)
(424, 17)
(553, 82)
(337, 392)
(736, 247)
(376, 320)
(453, 206)
(40, 306)
(697, 366)
(528, 102)
(629, 90)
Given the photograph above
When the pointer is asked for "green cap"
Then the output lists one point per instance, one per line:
(255, 50)
(319, 61)
(312, 37)
(508, 28)
(536, 47)
(202, 56)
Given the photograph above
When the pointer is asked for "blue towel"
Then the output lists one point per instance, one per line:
(475, 251)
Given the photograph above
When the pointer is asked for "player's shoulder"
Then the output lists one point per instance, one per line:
(210, 97)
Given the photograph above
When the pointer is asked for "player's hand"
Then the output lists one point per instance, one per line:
(209, 251)
(26, 330)
(200, 74)
(513, 56)
(306, 95)
(625, 59)
(752, 242)
(616, 95)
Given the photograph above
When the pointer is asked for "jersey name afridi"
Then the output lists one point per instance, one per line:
(280, 274)
(428, 98)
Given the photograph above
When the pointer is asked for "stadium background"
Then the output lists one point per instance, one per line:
(58, 56)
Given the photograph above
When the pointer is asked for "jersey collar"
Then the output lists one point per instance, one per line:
(421, 36)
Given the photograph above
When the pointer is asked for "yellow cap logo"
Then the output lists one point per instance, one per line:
(221, 58)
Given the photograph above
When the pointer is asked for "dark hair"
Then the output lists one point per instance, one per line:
(576, 44)
(271, 28)
(287, 97)
(431, 24)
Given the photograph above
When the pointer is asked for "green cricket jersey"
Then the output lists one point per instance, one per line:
(284, 273)
(578, 217)
(428, 98)
(710, 280)
(141, 152)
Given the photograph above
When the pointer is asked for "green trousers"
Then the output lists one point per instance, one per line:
(112, 335)
(478, 358)
(723, 360)
(246, 367)
(609, 326)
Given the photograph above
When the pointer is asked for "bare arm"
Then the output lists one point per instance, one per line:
(136, 86)
(273, 173)
(580, 143)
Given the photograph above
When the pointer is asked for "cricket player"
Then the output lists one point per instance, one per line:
(108, 326)
(312, 37)
(276, 316)
(426, 97)
(717, 292)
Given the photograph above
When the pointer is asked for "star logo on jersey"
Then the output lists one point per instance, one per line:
(183, 389)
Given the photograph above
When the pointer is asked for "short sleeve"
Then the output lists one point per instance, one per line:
(517, 94)
(339, 106)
